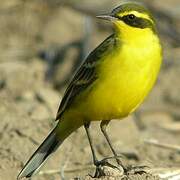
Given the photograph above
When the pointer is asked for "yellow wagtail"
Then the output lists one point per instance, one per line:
(111, 83)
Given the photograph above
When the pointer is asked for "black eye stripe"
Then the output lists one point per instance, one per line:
(138, 22)
(135, 21)
(131, 16)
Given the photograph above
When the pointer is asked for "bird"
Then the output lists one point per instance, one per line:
(111, 83)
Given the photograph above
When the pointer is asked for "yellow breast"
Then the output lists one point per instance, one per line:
(125, 78)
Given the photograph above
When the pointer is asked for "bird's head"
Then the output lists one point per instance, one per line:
(131, 19)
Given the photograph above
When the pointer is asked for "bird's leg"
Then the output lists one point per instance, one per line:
(103, 126)
(97, 163)
(95, 160)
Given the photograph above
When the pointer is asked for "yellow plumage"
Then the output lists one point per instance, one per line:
(111, 83)
(126, 75)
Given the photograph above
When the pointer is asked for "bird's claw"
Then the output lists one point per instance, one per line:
(124, 170)
(104, 162)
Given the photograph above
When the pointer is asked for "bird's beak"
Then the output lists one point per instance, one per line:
(106, 17)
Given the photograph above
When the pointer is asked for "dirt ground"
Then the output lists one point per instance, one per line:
(41, 44)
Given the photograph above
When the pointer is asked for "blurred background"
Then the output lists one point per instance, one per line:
(42, 42)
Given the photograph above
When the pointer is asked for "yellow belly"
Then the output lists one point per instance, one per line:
(122, 85)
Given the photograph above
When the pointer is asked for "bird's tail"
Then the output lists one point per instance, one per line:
(49, 145)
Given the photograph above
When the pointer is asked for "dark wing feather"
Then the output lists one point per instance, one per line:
(85, 75)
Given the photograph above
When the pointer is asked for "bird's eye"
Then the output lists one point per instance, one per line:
(131, 16)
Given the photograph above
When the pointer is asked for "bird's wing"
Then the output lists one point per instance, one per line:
(85, 75)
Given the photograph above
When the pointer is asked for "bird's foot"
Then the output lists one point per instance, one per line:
(101, 167)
